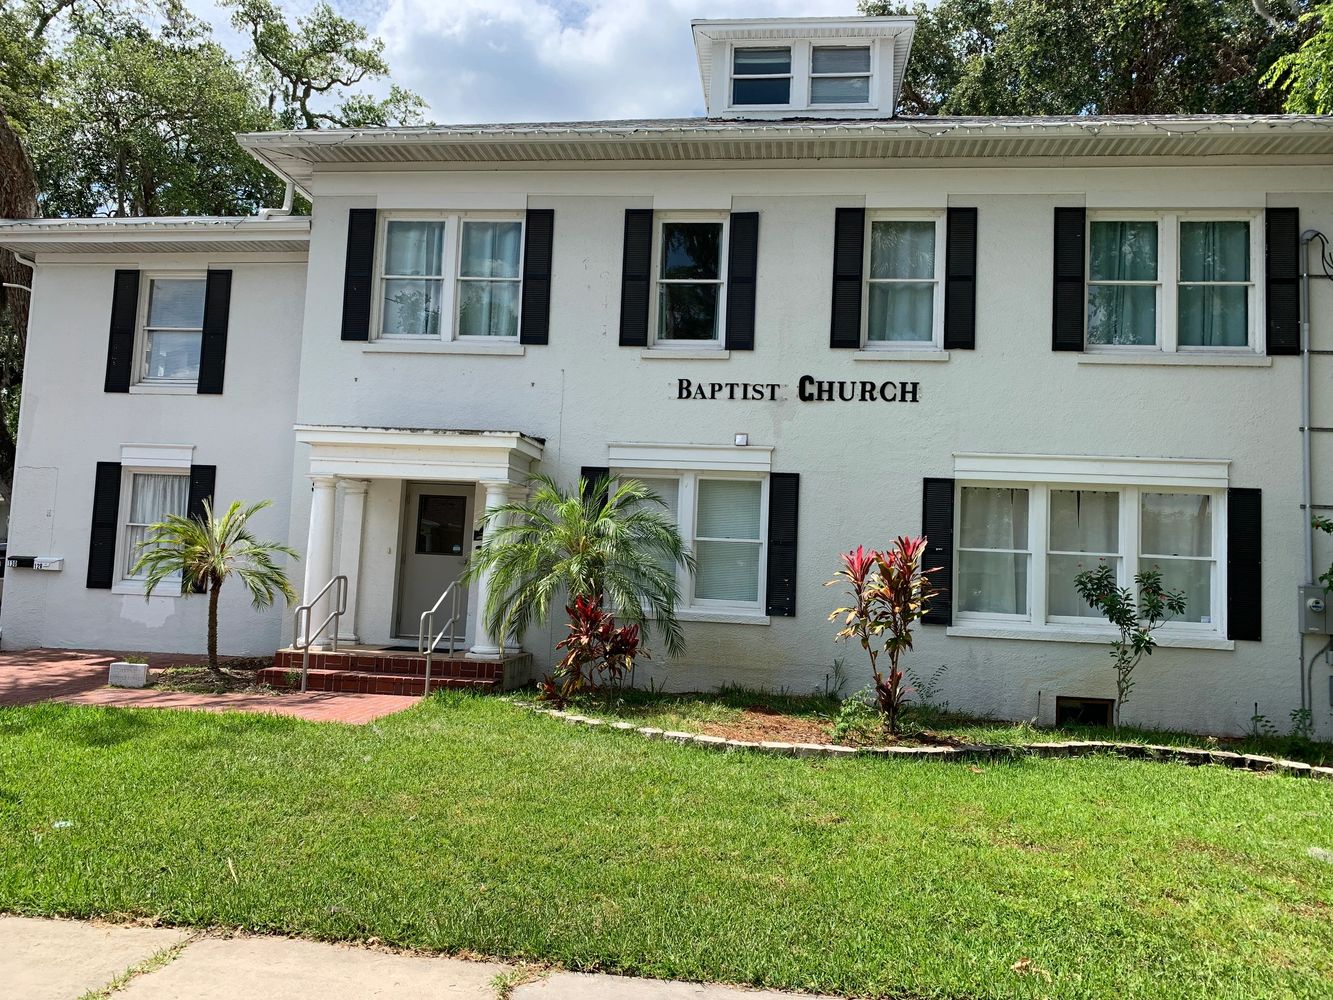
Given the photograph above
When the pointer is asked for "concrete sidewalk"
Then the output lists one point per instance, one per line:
(76, 960)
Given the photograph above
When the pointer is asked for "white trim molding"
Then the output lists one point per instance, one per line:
(1194, 473)
(689, 457)
(420, 453)
(157, 456)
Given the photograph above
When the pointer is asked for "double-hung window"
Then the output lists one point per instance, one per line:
(840, 74)
(147, 499)
(691, 287)
(904, 282)
(761, 77)
(1173, 282)
(172, 329)
(451, 277)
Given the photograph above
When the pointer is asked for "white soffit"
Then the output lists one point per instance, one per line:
(684, 457)
(1195, 473)
(201, 234)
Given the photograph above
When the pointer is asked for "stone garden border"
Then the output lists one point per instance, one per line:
(979, 751)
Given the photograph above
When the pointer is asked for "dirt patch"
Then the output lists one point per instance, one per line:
(238, 676)
(758, 724)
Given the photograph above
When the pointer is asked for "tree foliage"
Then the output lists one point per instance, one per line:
(1106, 57)
(1306, 75)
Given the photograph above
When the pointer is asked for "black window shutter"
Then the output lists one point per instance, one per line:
(784, 494)
(636, 277)
(742, 266)
(124, 318)
(203, 479)
(538, 236)
(106, 517)
(1282, 271)
(1067, 320)
(849, 234)
(937, 526)
(213, 349)
(359, 277)
(960, 280)
(1244, 564)
(592, 475)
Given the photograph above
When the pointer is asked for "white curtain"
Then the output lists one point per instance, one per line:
(414, 252)
(902, 310)
(990, 579)
(489, 308)
(1177, 540)
(1085, 531)
(152, 498)
(727, 543)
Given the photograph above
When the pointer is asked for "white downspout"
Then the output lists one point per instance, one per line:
(31, 265)
(286, 209)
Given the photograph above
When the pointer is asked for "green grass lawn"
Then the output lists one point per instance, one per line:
(467, 824)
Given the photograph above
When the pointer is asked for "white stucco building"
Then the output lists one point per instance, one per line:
(808, 323)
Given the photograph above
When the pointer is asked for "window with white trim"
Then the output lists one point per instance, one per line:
(840, 75)
(147, 499)
(761, 76)
(689, 270)
(171, 329)
(1020, 546)
(450, 276)
(1174, 281)
(904, 306)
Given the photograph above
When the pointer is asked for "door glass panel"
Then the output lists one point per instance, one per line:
(440, 525)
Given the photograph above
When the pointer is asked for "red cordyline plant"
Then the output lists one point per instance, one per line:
(890, 592)
(597, 650)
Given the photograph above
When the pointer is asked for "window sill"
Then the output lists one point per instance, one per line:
(723, 617)
(1067, 633)
(684, 354)
(888, 354)
(164, 389)
(509, 349)
(127, 588)
(1158, 358)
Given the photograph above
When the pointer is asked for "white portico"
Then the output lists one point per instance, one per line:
(397, 510)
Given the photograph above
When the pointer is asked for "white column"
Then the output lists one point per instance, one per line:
(485, 645)
(319, 549)
(349, 551)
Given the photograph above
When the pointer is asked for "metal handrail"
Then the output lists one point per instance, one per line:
(303, 615)
(426, 629)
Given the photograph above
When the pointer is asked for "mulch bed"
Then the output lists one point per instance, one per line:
(760, 724)
(238, 677)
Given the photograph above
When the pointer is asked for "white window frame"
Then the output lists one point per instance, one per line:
(869, 75)
(719, 341)
(790, 76)
(141, 327)
(1168, 280)
(1131, 562)
(936, 341)
(126, 584)
(450, 274)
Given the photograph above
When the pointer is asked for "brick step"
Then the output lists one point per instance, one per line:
(366, 682)
(408, 664)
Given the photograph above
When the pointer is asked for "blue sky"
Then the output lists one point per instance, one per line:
(535, 60)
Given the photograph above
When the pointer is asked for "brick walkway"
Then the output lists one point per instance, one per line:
(78, 677)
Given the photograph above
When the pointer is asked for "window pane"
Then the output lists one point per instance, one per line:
(440, 525)
(727, 571)
(411, 308)
(901, 311)
(152, 498)
(176, 302)
(993, 582)
(1061, 597)
(669, 491)
(691, 250)
(761, 62)
(414, 248)
(728, 508)
(902, 249)
(1123, 251)
(1085, 521)
(839, 59)
(1177, 524)
(993, 518)
(1122, 315)
(840, 90)
(1214, 251)
(687, 312)
(488, 308)
(491, 249)
(173, 355)
(1214, 316)
(772, 91)
(1194, 579)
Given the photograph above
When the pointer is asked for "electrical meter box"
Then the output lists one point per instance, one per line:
(1315, 618)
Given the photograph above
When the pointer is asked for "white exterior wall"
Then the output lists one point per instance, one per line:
(861, 464)
(68, 424)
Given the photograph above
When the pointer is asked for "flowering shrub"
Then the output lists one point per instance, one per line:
(890, 592)
(597, 650)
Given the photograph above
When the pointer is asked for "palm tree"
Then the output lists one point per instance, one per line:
(595, 542)
(205, 551)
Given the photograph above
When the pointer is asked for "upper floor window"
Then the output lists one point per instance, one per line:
(691, 289)
(761, 76)
(1173, 282)
(451, 277)
(840, 74)
(904, 285)
(172, 329)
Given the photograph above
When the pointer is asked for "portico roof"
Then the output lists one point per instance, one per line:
(426, 453)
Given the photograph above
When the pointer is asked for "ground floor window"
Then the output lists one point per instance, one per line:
(149, 498)
(1020, 546)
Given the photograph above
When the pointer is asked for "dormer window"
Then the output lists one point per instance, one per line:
(761, 76)
(840, 74)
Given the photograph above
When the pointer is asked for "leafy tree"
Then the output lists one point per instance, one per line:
(607, 546)
(205, 553)
(1306, 75)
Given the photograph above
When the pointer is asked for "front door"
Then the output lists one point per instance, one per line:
(436, 542)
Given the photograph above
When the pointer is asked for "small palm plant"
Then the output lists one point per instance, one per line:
(601, 544)
(204, 552)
